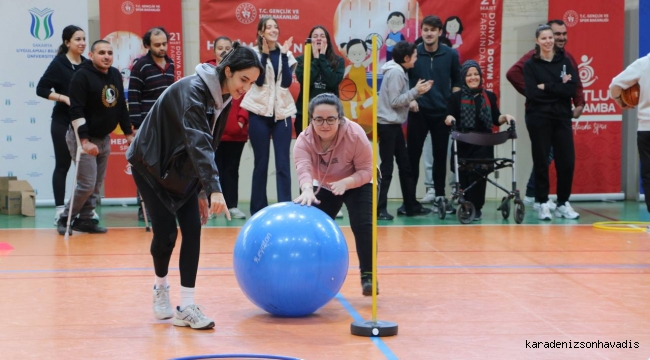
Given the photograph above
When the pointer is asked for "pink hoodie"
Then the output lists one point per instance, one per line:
(350, 155)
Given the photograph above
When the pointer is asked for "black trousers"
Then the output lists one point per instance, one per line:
(163, 224)
(419, 124)
(546, 132)
(643, 144)
(62, 161)
(228, 157)
(392, 145)
(358, 201)
(475, 195)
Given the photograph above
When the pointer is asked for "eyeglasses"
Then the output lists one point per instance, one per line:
(320, 121)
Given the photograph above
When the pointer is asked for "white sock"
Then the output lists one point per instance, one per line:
(187, 297)
(161, 282)
(59, 209)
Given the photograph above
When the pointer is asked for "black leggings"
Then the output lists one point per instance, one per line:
(163, 223)
(62, 161)
(358, 201)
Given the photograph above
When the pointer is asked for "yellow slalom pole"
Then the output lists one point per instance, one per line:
(374, 327)
(374, 178)
(305, 83)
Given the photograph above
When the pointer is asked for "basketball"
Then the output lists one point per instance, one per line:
(347, 90)
(630, 96)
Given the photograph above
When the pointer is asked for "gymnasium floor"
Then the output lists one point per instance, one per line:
(489, 290)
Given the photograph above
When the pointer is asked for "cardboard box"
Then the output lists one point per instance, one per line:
(17, 197)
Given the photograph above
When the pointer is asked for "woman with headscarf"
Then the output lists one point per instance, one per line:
(474, 109)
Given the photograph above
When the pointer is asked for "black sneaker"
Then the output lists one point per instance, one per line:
(478, 215)
(420, 211)
(401, 210)
(384, 215)
(61, 225)
(88, 226)
(366, 284)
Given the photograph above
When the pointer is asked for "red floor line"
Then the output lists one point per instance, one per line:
(597, 214)
(380, 275)
(382, 252)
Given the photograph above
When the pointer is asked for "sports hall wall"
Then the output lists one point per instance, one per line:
(519, 20)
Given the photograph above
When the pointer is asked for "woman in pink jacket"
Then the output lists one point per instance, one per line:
(334, 164)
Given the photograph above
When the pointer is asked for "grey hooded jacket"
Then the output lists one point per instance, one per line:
(394, 95)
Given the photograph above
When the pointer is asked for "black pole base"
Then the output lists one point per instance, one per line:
(377, 328)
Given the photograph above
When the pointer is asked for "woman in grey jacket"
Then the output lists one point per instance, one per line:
(175, 171)
(392, 110)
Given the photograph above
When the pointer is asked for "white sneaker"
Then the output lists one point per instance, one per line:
(566, 211)
(235, 213)
(544, 212)
(429, 197)
(95, 217)
(57, 215)
(339, 214)
(212, 216)
(162, 308)
(551, 205)
(530, 200)
(193, 317)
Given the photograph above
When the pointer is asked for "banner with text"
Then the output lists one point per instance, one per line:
(598, 132)
(473, 27)
(123, 24)
(32, 37)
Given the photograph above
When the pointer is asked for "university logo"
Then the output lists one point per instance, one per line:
(586, 72)
(7, 101)
(32, 120)
(10, 173)
(128, 7)
(9, 138)
(41, 27)
(246, 13)
(33, 156)
(571, 18)
(31, 84)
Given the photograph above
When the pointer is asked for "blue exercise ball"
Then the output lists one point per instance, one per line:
(290, 260)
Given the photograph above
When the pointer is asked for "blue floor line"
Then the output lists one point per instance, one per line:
(379, 343)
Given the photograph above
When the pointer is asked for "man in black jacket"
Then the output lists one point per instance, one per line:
(96, 95)
(440, 64)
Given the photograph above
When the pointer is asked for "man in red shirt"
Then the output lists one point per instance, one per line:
(516, 77)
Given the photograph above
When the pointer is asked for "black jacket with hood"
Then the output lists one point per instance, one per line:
(174, 147)
(555, 99)
(57, 77)
(99, 98)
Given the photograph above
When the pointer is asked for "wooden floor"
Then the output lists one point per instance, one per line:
(456, 292)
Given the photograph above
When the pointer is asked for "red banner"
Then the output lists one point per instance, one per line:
(598, 132)
(474, 27)
(123, 23)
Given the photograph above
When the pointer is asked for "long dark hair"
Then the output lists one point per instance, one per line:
(331, 57)
(239, 58)
(537, 32)
(260, 27)
(66, 35)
